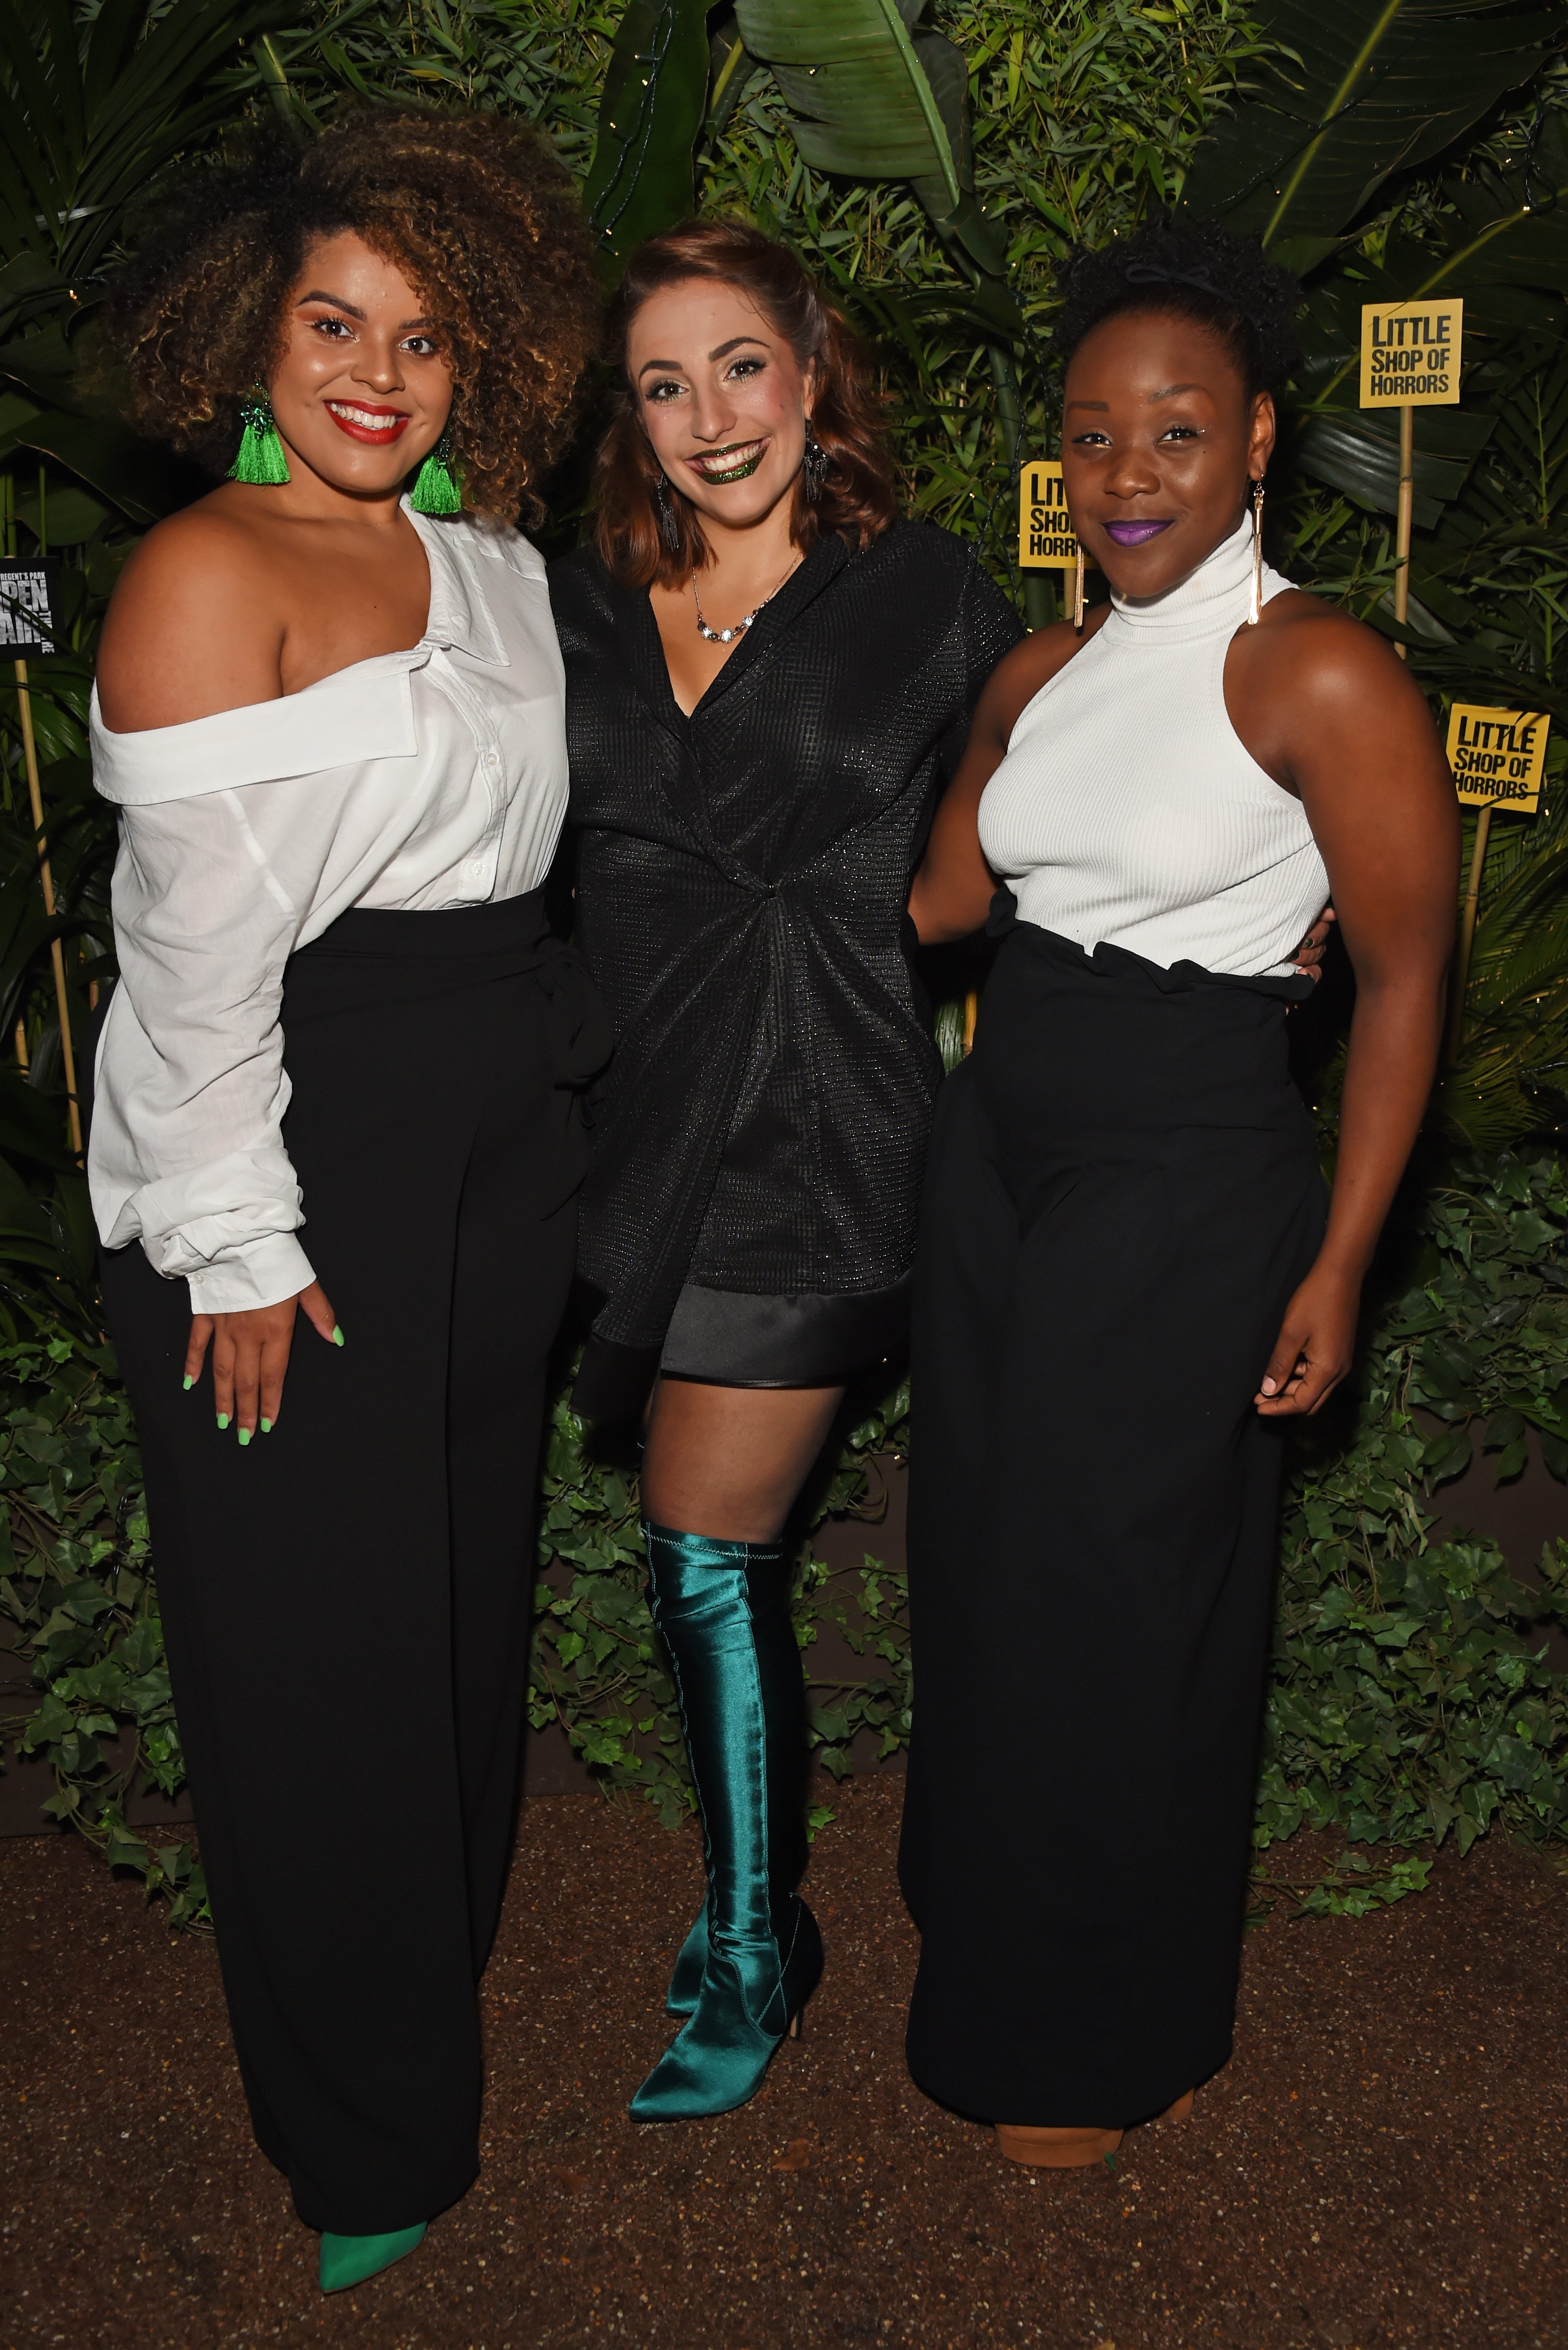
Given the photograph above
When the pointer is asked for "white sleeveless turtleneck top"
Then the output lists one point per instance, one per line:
(1128, 810)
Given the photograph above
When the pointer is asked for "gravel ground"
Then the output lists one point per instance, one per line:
(1382, 2162)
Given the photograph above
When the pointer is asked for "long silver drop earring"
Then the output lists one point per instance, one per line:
(1255, 600)
(1078, 590)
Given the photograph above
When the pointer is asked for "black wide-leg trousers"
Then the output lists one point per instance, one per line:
(1122, 1194)
(345, 1602)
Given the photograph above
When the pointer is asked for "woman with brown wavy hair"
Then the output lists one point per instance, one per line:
(769, 679)
(331, 715)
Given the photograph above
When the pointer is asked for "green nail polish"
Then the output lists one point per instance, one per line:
(245, 1435)
(266, 1428)
(223, 1420)
(190, 1383)
(336, 1336)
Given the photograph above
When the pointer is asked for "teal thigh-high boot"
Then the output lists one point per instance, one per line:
(784, 1706)
(722, 1611)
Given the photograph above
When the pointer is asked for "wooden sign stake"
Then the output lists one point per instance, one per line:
(1467, 931)
(1409, 359)
(1406, 511)
(57, 954)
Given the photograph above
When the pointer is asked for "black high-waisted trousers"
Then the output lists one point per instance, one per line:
(346, 1603)
(1122, 1194)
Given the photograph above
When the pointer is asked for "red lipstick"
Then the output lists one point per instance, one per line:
(363, 419)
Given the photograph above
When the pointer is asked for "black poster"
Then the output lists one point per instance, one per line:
(27, 608)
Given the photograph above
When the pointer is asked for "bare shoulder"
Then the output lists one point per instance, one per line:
(1309, 647)
(1020, 674)
(206, 551)
(195, 626)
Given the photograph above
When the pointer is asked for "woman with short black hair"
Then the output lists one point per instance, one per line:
(1126, 1285)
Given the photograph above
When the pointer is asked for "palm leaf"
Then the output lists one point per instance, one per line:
(1364, 88)
(92, 108)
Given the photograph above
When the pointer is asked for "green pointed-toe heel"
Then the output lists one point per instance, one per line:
(754, 1956)
(350, 2260)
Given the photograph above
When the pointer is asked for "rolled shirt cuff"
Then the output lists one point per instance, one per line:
(262, 1272)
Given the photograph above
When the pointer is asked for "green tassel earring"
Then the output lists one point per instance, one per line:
(260, 459)
(436, 490)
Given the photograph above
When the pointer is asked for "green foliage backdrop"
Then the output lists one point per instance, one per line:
(1384, 148)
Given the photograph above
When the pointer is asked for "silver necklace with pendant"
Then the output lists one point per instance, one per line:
(728, 636)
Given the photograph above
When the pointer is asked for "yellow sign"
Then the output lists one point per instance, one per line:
(1410, 352)
(1045, 540)
(1496, 755)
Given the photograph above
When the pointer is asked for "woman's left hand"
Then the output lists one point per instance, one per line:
(1314, 1349)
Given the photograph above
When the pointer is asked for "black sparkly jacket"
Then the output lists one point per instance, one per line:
(741, 880)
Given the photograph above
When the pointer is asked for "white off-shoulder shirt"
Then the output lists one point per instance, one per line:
(435, 777)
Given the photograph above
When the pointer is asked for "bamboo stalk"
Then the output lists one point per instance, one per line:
(57, 954)
(1467, 930)
(1406, 512)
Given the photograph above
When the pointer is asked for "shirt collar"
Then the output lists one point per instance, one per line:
(461, 619)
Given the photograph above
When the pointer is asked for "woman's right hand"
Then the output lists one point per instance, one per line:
(250, 1355)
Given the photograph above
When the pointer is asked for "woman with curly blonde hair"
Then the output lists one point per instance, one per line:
(329, 707)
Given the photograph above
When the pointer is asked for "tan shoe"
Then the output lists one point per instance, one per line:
(1071, 2149)
(1056, 2149)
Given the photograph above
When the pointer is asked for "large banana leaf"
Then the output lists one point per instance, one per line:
(655, 96)
(1367, 87)
(873, 102)
(863, 104)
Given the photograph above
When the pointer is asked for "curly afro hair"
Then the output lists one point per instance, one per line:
(1199, 271)
(473, 210)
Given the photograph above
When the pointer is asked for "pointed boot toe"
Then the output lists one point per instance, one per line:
(716, 2062)
(746, 2005)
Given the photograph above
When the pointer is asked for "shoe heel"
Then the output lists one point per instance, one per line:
(794, 2024)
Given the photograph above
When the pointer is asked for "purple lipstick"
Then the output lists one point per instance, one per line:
(1133, 534)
